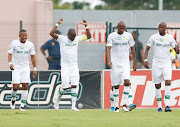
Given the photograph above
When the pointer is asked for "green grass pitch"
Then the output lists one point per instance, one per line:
(89, 118)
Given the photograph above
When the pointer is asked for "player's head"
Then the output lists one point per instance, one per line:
(71, 34)
(135, 34)
(23, 35)
(162, 28)
(121, 27)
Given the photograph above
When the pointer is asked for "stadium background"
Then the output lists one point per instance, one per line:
(38, 18)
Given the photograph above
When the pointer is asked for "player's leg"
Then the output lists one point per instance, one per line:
(167, 73)
(16, 83)
(74, 78)
(24, 96)
(112, 100)
(157, 79)
(115, 81)
(65, 85)
(25, 80)
(130, 99)
(126, 94)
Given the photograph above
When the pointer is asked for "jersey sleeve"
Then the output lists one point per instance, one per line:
(109, 40)
(32, 50)
(173, 42)
(131, 41)
(150, 41)
(60, 38)
(11, 48)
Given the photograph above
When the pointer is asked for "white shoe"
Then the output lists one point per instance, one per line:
(75, 109)
(125, 109)
(12, 104)
(21, 109)
(56, 105)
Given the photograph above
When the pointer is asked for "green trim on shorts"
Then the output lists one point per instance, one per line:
(125, 93)
(116, 95)
(130, 96)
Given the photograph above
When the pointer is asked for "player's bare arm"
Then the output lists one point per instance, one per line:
(52, 33)
(109, 56)
(87, 29)
(10, 61)
(146, 63)
(134, 57)
(177, 48)
(34, 65)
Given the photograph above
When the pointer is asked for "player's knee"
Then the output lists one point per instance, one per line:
(168, 82)
(158, 86)
(116, 87)
(127, 83)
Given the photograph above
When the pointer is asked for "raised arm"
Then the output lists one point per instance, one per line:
(87, 28)
(146, 63)
(34, 65)
(54, 35)
(177, 48)
(134, 57)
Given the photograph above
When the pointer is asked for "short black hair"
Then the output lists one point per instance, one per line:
(23, 30)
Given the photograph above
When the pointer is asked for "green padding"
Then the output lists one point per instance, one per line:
(74, 94)
(112, 99)
(167, 97)
(116, 95)
(158, 99)
(23, 101)
(125, 93)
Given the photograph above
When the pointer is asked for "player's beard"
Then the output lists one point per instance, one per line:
(23, 40)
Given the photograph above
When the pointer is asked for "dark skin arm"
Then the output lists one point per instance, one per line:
(34, 65)
(177, 48)
(54, 35)
(87, 30)
(142, 55)
(146, 63)
(43, 52)
(10, 60)
(109, 56)
(134, 57)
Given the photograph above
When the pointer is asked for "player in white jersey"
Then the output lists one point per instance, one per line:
(69, 65)
(18, 57)
(161, 64)
(118, 45)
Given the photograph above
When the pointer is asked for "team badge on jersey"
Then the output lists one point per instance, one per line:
(52, 43)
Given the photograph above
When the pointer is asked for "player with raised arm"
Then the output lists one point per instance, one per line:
(161, 64)
(118, 45)
(18, 57)
(69, 65)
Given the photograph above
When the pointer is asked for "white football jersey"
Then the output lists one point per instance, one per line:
(161, 44)
(20, 53)
(69, 48)
(120, 44)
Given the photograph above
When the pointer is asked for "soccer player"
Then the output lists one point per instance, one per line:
(18, 57)
(118, 45)
(161, 64)
(69, 65)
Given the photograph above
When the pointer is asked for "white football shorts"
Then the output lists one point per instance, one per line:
(118, 74)
(159, 73)
(21, 75)
(69, 75)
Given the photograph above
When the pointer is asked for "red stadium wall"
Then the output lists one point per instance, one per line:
(143, 89)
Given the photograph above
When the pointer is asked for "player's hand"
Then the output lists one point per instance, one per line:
(109, 64)
(49, 58)
(130, 57)
(34, 74)
(146, 64)
(134, 66)
(84, 22)
(60, 21)
(12, 67)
